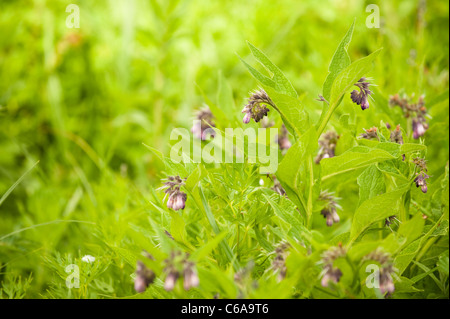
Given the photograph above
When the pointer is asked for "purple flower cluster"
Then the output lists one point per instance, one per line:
(416, 111)
(370, 134)
(202, 129)
(144, 276)
(422, 176)
(279, 262)
(330, 209)
(176, 265)
(283, 140)
(256, 107)
(277, 187)
(386, 270)
(396, 135)
(362, 97)
(331, 273)
(177, 198)
(327, 144)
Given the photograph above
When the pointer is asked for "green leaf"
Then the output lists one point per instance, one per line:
(340, 61)
(259, 76)
(371, 183)
(212, 221)
(394, 168)
(411, 147)
(177, 227)
(282, 84)
(404, 258)
(262, 241)
(354, 158)
(438, 99)
(225, 96)
(350, 75)
(209, 246)
(375, 209)
(405, 285)
(171, 167)
(3, 198)
(292, 169)
(343, 82)
(411, 229)
(294, 117)
(443, 263)
(292, 217)
(220, 116)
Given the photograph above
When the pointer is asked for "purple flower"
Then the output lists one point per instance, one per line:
(144, 277)
(330, 209)
(396, 135)
(327, 145)
(421, 182)
(256, 107)
(416, 111)
(283, 140)
(170, 281)
(386, 282)
(361, 97)
(177, 198)
(331, 216)
(190, 276)
(178, 264)
(419, 128)
(279, 262)
(386, 271)
(371, 133)
(331, 274)
(203, 128)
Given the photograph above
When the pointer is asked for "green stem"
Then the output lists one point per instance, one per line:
(325, 120)
(309, 207)
(403, 210)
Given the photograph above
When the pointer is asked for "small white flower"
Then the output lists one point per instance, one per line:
(261, 182)
(88, 259)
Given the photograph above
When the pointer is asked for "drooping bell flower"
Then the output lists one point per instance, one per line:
(362, 97)
(256, 108)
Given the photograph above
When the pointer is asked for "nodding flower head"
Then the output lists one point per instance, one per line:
(279, 262)
(144, 276)
(327, 145)
(330, 209)
(396, 135)
(256, 107)
(331, 273)
(416, 111)
(283, 139)
(386, 270)
(419, 127)
(422, 176)
(177, 198)
(421, 182)
(362, 97)
(176, 265)
(202, 129)
(277, 187)
(371, 133)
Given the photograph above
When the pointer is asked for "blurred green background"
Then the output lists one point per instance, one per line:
(82, 101)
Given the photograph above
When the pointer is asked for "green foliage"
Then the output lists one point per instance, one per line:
(85, 126)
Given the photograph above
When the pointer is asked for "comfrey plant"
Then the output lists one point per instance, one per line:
(330, 202)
